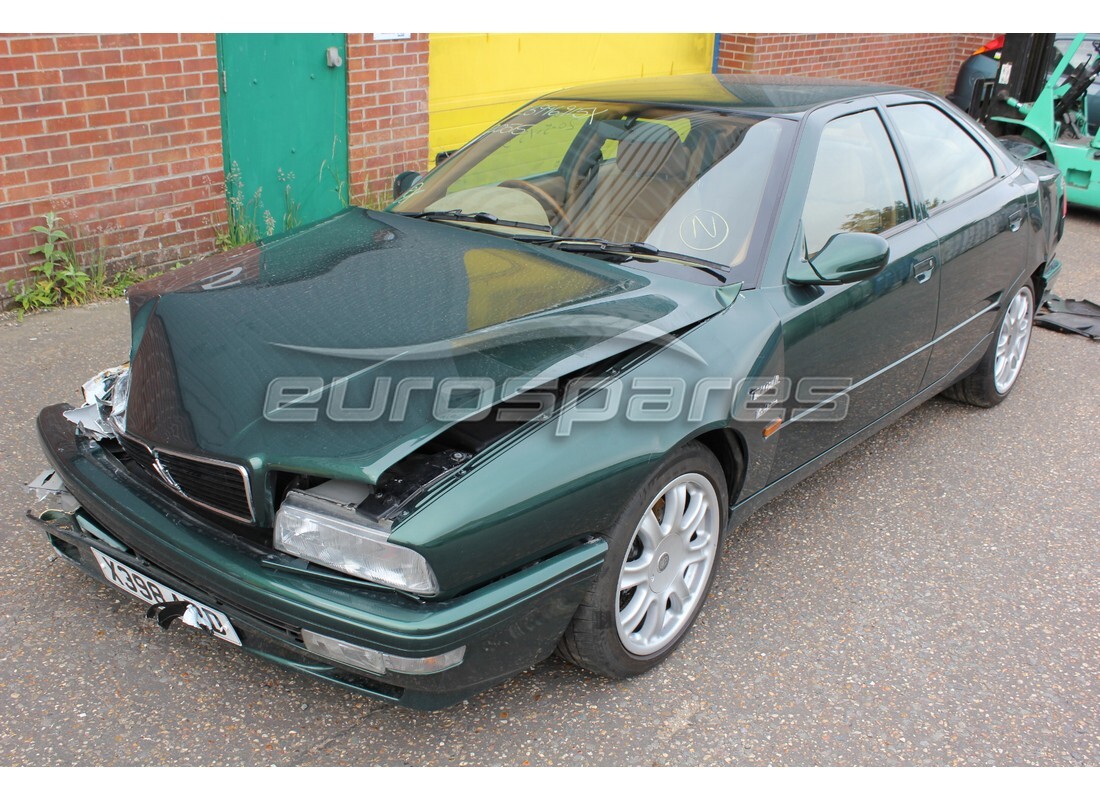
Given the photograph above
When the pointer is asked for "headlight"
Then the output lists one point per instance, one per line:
(331, 533)
(105, 396)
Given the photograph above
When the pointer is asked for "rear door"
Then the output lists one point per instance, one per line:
(980, 217)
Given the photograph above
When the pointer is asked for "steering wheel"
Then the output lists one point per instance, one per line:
(546, 200)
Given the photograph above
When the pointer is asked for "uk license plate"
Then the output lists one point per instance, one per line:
(150, 591)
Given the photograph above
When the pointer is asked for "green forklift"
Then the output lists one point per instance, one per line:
(1039, 103)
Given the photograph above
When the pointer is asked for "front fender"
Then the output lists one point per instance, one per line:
(565, 478)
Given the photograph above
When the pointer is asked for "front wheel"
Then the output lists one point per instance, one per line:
(997, 372)
(662, 555)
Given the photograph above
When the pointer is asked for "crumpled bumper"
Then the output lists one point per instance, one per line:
(505, 626)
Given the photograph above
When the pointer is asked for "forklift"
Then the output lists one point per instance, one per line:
(1038, 103)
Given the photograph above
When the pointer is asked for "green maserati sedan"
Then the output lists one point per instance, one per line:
(415, 452)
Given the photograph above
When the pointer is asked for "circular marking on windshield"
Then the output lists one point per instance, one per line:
(704, 230)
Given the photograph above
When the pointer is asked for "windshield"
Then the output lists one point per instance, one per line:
(688, 182)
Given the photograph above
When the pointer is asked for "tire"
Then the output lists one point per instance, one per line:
(997, 372)
(662, 554)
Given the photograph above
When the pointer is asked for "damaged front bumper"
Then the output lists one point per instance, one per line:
(500, 629)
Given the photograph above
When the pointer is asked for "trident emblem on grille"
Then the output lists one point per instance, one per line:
(164, 474)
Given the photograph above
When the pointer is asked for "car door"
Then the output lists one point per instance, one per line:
(861, 347)
(980, 218)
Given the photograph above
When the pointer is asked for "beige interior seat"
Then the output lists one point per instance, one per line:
(629, 197)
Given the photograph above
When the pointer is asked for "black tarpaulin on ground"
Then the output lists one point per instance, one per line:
(1070, 316)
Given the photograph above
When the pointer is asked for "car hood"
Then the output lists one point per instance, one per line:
(322, 351)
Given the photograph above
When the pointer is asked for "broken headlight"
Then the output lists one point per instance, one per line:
(105, 396)
(327, 530)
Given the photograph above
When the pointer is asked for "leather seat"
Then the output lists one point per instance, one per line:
(629, 197)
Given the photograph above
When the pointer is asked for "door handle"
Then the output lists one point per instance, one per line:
(923, 271)
(1015, 220)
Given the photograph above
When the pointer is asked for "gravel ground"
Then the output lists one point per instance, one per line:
(930, 598)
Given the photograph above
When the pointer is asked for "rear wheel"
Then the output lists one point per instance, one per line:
(662, 555)
(997, 372)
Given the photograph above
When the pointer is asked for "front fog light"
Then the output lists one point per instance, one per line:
(334, 535)
(377, 662)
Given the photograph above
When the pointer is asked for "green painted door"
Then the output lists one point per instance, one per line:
(284, 129)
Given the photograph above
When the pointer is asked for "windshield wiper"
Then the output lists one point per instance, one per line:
(484, 217)
(642, 251)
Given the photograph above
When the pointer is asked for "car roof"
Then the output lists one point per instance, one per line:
(767, 94)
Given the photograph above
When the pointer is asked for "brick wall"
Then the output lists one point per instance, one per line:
(120, 135)
(926, 61)
(387, 112)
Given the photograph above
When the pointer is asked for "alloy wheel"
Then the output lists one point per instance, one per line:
(1012, 340)
(667, 565)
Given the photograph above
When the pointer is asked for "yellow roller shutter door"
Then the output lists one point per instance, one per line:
(477, 78)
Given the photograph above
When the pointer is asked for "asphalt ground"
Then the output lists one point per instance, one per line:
(933, 598)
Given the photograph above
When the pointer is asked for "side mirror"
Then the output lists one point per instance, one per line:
(443, 155)
(845, 258)
(405, 181)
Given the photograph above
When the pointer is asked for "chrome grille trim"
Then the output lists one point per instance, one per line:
(154, 467)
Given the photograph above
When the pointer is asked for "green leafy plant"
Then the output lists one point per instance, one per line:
(61, 279)
(31, 296)
(116, 286)
(57, 279)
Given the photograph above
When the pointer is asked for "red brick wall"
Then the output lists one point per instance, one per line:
(921, 60)
(387, 112)
(119, 134)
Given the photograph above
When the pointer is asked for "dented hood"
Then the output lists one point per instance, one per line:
(344, 331)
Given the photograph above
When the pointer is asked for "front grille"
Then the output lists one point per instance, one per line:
(216, 485)
(140, 454)
(219, 485)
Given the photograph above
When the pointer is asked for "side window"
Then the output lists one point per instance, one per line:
(947, 161)
(856, 184)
